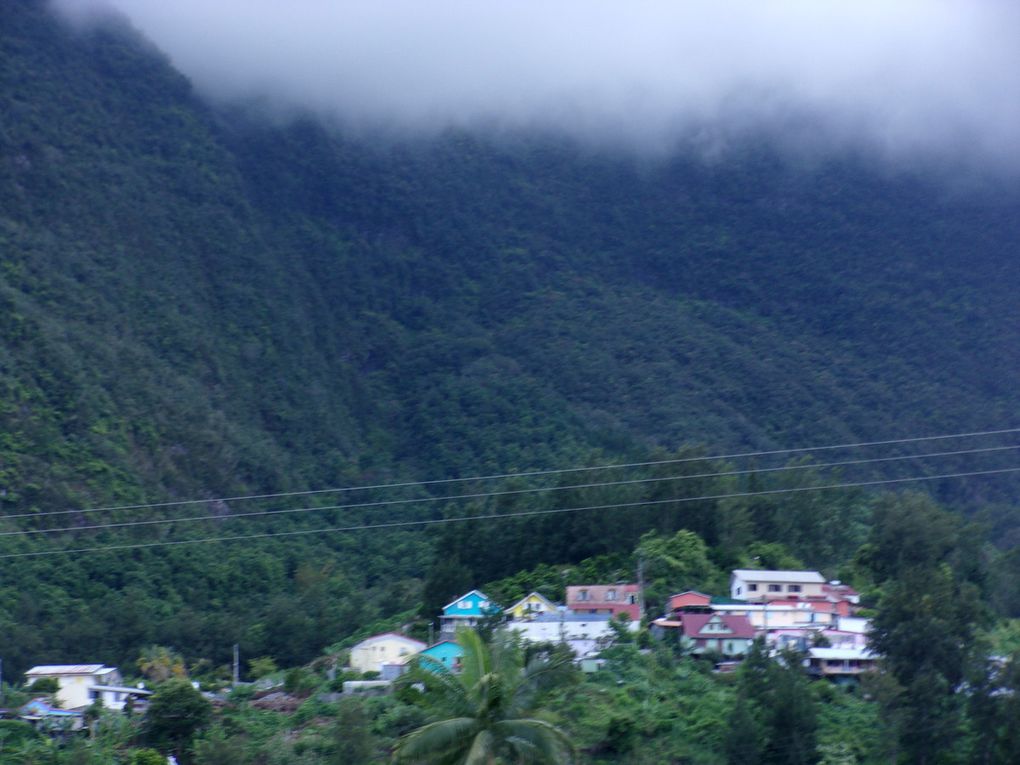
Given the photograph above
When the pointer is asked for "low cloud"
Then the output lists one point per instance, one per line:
(901, 77)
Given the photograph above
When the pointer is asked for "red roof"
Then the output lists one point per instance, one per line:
(738, 625)
(688, 598)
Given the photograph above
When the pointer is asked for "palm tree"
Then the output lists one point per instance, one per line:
(487, 706)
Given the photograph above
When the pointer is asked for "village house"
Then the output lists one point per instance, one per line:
(39, 711)
(379, 651)
(530, 606)
(760, 586)
(80, 685)
(766, 617)
(445, 653)
(688, 600)
(466, 611)
(612, 599)
(728, 635)
(839, 663)
(584, 634)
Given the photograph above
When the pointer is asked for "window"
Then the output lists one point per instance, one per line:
(775, 588)
(611, 595)
(582, 595)
(738, 589)
(483, 604)
(464, 604)
(793, 588)
(632, 599)
(751, 588)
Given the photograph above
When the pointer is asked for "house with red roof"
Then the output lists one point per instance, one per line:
(612, 599)
(689, 600)
(729, 635)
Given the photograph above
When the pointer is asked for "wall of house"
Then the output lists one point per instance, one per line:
(765, 589)
(371, 657)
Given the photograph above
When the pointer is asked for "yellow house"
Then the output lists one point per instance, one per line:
(531, 606)
(371, 654)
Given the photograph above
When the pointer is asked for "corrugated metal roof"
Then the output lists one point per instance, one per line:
(68, 669)
(780, 576)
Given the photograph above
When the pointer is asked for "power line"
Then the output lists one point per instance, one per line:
(484, 495)
(525, 474)
(520, 514)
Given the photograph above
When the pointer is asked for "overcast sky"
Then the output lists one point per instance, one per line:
(904, 77)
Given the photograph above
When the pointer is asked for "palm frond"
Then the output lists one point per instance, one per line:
(535, 741)
(437, 740)
(481, 749)
(476, 662)
(443, 689)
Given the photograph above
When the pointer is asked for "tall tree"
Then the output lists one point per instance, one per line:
(773, 719)
(176, 712)
(929, 608)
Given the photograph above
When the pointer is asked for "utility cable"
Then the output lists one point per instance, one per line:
(485, 495)
(499, 516)
(533, 473)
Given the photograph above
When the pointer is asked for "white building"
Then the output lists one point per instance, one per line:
(765, 617)
(840, 662)
(372, 654)
(584, 634)
(80, 685)
(752, 585)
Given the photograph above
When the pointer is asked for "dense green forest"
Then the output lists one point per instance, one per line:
(200, 303)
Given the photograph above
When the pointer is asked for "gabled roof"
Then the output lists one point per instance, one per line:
(809, 577)
(540, 596)
(391, 636)
(481, 596)
(69, 669)
(739, 626)
(690, 592)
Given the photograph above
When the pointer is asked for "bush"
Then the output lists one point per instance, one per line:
(45, 685)
(147, 757)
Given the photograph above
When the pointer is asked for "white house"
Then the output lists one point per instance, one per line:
(80, 685)
(759, 586)
(584, 634)
(766, 617)
(372, 654)
(840, 662)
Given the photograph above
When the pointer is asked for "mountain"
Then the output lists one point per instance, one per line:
(199, 302)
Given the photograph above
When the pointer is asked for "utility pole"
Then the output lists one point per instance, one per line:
(237, 663)
(641, 586)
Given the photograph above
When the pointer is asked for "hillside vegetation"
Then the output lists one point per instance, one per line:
(199, 304)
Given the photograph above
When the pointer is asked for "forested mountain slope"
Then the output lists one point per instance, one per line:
(197, 303)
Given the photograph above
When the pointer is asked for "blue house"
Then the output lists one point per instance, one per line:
(445, 653)
(466, 611)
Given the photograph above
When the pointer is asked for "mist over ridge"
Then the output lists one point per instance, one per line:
(912, 79)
